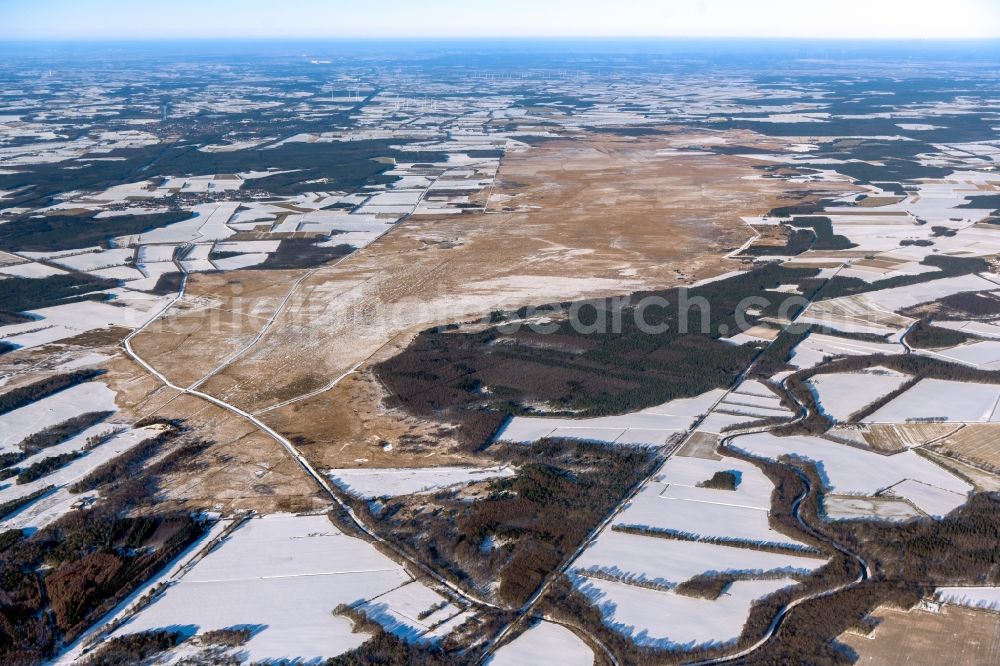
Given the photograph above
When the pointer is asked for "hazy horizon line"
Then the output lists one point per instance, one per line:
(494, 38)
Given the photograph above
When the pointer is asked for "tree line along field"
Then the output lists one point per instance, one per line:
(475, 376)
(343, 166)
(57, 581)
(21, 294)
(908, 561)
(516, 530)
(50, 233)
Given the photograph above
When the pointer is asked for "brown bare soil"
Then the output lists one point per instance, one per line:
(217, 316)
(349, 426)
(700, 445)
(878, 202)
(243, 469)
(895, 437)
(978, 443)
(958, 636)
(593, 216)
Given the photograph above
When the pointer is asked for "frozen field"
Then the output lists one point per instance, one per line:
(811, 351)
(673, 502)
(286, 574)
(681, 476)
(973, 597)
(390, 482)
(667, 619)
(672, 561)
(942, 400)
(984, 329)
(984, 354)
(30, 269)
(56, 408)
(924, 292)
(840, 395)
(129, 309)
(545, 643)
(651, 426)
(89, 261)
(48, 508)
(862, 508)
(847, 470)
(932, 500)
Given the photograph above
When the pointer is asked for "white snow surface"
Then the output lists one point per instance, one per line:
(984, 354)
(673, 561)
(285, 574)
(49, 507)
(851, 471)
(667, 619)
(56, 408)
(942, 400)
(650, 426)
(973, 597)
(843, 394)
(545, 643)
(370, 483)
(674, 502)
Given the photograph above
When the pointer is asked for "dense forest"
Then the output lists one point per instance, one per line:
(580, 366)
(49, 233)
(55, 582)
(519, 529)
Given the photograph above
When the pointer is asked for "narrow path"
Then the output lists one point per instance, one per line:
(290, 448)
(319, 478)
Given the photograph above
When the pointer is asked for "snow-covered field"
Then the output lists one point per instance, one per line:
(984, 329)
(811, 351)
(974, 597)
(942, 400)
(89, 261)
(674, 502)
(286, 574)
(851, 508)
(899, 298)
(544, 643)
(984, 354)
(56, 408)
(668, 619)
(30, 269)
(371, 483)
(48, 508)
(131, 309)
(848, 470)
(843, 394)
(681, 476)
(673, 561)
(651, 426)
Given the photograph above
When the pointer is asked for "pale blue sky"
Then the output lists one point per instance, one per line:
(283, 19)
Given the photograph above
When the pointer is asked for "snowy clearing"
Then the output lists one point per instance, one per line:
(667, 619)
(288, 573)
(673, 561)
(652, 426)
(545, 643)
(974, 597)
(371, 483)
(842, 394)
(942, 400)
(851, 471)
(836, 507)
(56, 408)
